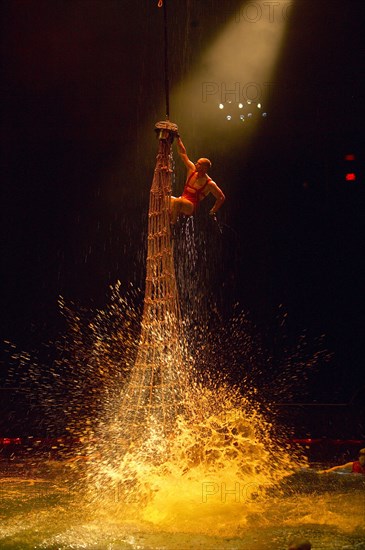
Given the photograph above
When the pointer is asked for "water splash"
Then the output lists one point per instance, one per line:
(216, 466)
(225, 452)
(225, 470)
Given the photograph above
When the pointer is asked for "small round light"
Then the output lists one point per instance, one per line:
(240, 105)
(249, 115)
(242, 117)
(229, 117)
(249, 102)
(221, 106)
(264, 115)
(259, 105)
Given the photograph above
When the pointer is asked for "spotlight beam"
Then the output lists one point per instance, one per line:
(237, 68)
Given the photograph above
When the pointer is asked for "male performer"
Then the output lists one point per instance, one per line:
(198, 185)
(355, 467)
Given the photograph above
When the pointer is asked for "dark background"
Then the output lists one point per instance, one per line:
(82, 87)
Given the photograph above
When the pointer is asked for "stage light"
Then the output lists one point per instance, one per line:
(350, 167)
(239, 105)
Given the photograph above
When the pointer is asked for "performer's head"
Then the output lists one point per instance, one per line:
(203, 165)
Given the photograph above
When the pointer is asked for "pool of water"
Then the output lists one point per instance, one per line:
(44, 504)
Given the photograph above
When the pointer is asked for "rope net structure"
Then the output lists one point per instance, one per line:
(155, 392)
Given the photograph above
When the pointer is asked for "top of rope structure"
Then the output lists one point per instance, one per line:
(166, 130)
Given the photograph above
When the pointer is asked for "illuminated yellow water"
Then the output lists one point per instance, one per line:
(209, 477)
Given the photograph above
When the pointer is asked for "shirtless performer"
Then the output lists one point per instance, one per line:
(198, 185)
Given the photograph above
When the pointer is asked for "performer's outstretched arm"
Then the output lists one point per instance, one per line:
(183, 154)
(347, 466)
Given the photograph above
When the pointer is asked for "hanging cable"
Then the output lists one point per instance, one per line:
(162, 3)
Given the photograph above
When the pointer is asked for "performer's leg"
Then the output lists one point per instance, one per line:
(180, 206)
(174, 210)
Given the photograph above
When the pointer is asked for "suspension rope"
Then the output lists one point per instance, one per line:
(161, 4)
